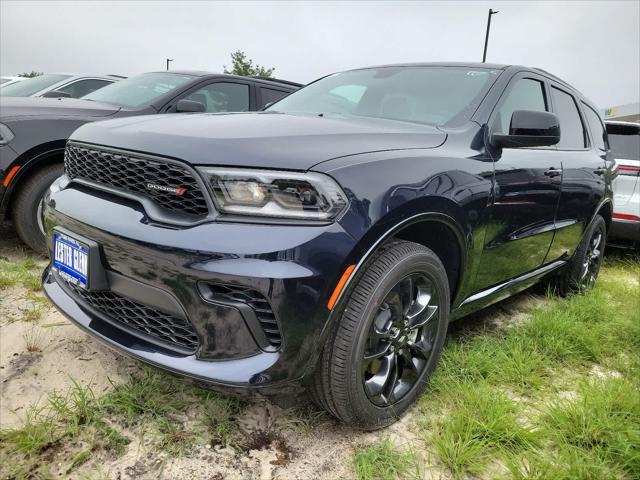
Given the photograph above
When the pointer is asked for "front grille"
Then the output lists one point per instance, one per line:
(129, 313)
(134, 173)
(257, 302)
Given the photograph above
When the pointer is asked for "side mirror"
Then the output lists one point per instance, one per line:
(189, 106)
(56, 94)
(529, 128)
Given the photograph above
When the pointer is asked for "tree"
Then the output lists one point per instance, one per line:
(31, 74)
(244, 66)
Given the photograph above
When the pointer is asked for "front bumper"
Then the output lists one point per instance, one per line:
(293, 268)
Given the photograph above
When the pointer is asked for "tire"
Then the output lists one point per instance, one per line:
(580, 275)
(26, 205)
(401, 277)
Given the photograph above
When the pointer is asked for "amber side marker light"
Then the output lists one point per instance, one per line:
(340, 286)
(10, 175)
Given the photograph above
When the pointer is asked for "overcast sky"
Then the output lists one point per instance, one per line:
(593, 45)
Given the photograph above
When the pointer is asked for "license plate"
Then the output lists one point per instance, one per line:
(71, 259)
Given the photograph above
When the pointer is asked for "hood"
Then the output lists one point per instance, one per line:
(268, 140)
(21, 107)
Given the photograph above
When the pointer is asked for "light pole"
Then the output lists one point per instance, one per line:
(171, 60)
(486, 38)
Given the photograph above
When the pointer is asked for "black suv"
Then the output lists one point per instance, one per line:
(33, 131)
(327, 242)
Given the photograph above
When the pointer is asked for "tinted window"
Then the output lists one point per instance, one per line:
(270, 96)
(83, 87)
(571, 129)
(526, 94)
(33, 85)
(140, 90)
(222, 97)
(625, 146)
(432, 95)
(595, 125)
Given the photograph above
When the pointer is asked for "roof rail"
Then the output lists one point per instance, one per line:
(277, 80)
(551, 75)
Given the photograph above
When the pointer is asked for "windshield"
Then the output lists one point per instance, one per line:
(140, 90)
(28, 87)
(431, 95)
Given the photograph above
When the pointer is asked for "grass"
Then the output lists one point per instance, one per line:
(218, 416)
(301, 419)
(603, 424)
(384, 461)
(524, 397)
(33, 338)
(146, 396)
(72, 423)
(80, 424)
(482, 422)
(23, 271)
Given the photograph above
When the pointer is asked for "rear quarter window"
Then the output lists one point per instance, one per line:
(269, 95)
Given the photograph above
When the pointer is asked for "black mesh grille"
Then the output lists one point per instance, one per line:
(170, 330)
(255, 300)
(133, 173)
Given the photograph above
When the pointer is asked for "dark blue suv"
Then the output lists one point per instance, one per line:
(327, 242)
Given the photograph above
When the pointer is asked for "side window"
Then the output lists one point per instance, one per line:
(269, 96)
(595, 124)
(83, 87)
(526, 94)
(222, 97)
(571, 129)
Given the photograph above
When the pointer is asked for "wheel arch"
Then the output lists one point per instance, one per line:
(410, 228)
(30, 161)
(437, 231)
(605, 210)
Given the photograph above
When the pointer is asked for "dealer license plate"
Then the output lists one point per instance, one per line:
(71, 259)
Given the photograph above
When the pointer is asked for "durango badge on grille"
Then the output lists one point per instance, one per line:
(165, 188)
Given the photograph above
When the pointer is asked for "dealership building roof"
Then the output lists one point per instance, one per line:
(629, 112)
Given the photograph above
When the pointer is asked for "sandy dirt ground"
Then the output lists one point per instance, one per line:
(322, 452)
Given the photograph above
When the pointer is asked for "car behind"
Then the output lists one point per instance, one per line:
(624, 138)
(58, 85)
(33, 131)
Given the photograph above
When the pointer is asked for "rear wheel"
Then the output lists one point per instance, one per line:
(582, 271)
(27, 206)
(388, 338)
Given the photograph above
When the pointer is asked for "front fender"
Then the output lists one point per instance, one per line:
(388, 195)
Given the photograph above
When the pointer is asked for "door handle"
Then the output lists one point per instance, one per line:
(553, 172)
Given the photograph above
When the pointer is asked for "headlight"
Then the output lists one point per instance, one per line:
(6, 135)
(265, 193)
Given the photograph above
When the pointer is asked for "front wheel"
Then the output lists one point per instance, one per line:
(387, 339)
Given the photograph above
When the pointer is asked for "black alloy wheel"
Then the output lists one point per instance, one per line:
(581, 272)
(387, 334)
(592, 260)
(401, 340)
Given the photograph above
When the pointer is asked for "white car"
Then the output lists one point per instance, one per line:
(624, 140)
(5, 81)
(58, 85)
